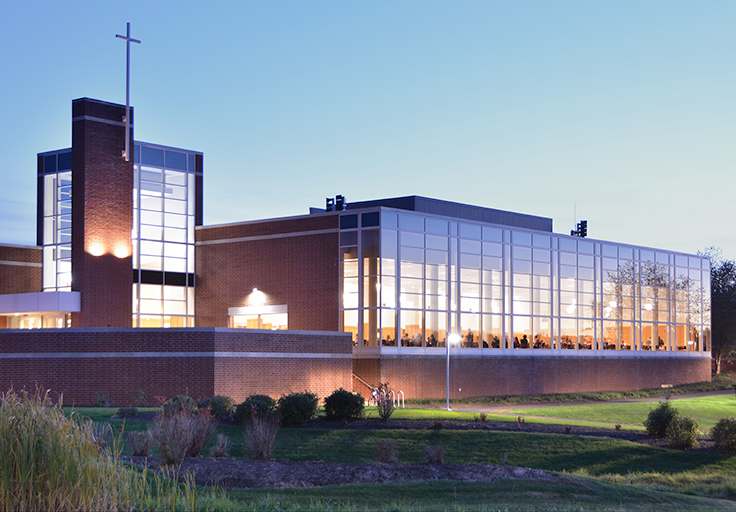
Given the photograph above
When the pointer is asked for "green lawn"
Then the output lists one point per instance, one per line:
(721, 381)
(599, 473)
(596, 456)
(508, 417)
(705, 410)
(566, 493)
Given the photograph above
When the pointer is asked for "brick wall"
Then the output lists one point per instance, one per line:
(81, 362)
(425, 377)
(366, 372)
(294, 262)
(102, 215)
(20, 269)
(283, 226)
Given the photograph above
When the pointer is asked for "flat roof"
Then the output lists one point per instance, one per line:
(460, 211)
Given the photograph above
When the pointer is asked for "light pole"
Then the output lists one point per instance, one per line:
(452, 339)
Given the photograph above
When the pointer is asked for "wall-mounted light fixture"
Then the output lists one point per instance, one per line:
(256, 298)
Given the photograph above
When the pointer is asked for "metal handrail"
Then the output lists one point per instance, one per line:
(363, 382)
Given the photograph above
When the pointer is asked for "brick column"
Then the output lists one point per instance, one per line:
(102, 214)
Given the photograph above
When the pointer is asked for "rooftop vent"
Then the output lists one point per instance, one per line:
(336, 204)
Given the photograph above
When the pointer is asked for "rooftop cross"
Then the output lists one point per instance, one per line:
(128, 40)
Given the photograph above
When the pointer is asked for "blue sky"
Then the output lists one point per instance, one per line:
(623, 113)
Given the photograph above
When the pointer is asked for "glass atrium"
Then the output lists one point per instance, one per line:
(409, 280)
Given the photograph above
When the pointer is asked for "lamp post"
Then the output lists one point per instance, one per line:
(452, 339)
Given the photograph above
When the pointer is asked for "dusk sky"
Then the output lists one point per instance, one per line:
(622, 113)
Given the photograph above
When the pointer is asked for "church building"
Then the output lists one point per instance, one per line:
(126, 283)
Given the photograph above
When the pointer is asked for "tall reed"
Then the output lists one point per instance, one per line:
(49, 462)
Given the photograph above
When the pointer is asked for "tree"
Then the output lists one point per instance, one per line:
(722, 305)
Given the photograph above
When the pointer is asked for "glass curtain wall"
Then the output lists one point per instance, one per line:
(57, 221)
(409, 280)
(163, 236)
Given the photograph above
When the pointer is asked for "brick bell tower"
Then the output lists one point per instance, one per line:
(102, 214)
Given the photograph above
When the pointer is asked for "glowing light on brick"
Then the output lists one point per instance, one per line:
(256, 298)
(96, 249)
(121, 251)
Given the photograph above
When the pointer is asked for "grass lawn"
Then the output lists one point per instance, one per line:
(568, 493)
(510, 417)
(599, 473)
(705, 410)
(721, 381)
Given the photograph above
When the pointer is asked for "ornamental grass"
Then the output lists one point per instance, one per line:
(49, 462)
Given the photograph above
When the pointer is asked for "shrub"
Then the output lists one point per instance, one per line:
(385, 406)
(343, 404)
(181, 435)
(437, 423)
(221, 448)
(180, 403)
(138, 397)
(102, 400)
(258, 405)
(724, 434)
(434, 454)
(297, 408)
(140, 442)
(172, 436)
(220, 406)
(203, 427)
(682, 432)
(659, 419)
(126, 412)
(260, 435)
(386, 452)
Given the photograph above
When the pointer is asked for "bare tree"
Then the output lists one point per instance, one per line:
(722, 305)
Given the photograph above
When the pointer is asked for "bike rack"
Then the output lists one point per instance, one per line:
(398, 399)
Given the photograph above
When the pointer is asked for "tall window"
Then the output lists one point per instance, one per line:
(501, 288)
(164, 200)
(57, 221)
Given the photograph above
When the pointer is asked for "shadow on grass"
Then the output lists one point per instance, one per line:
(564, 493)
